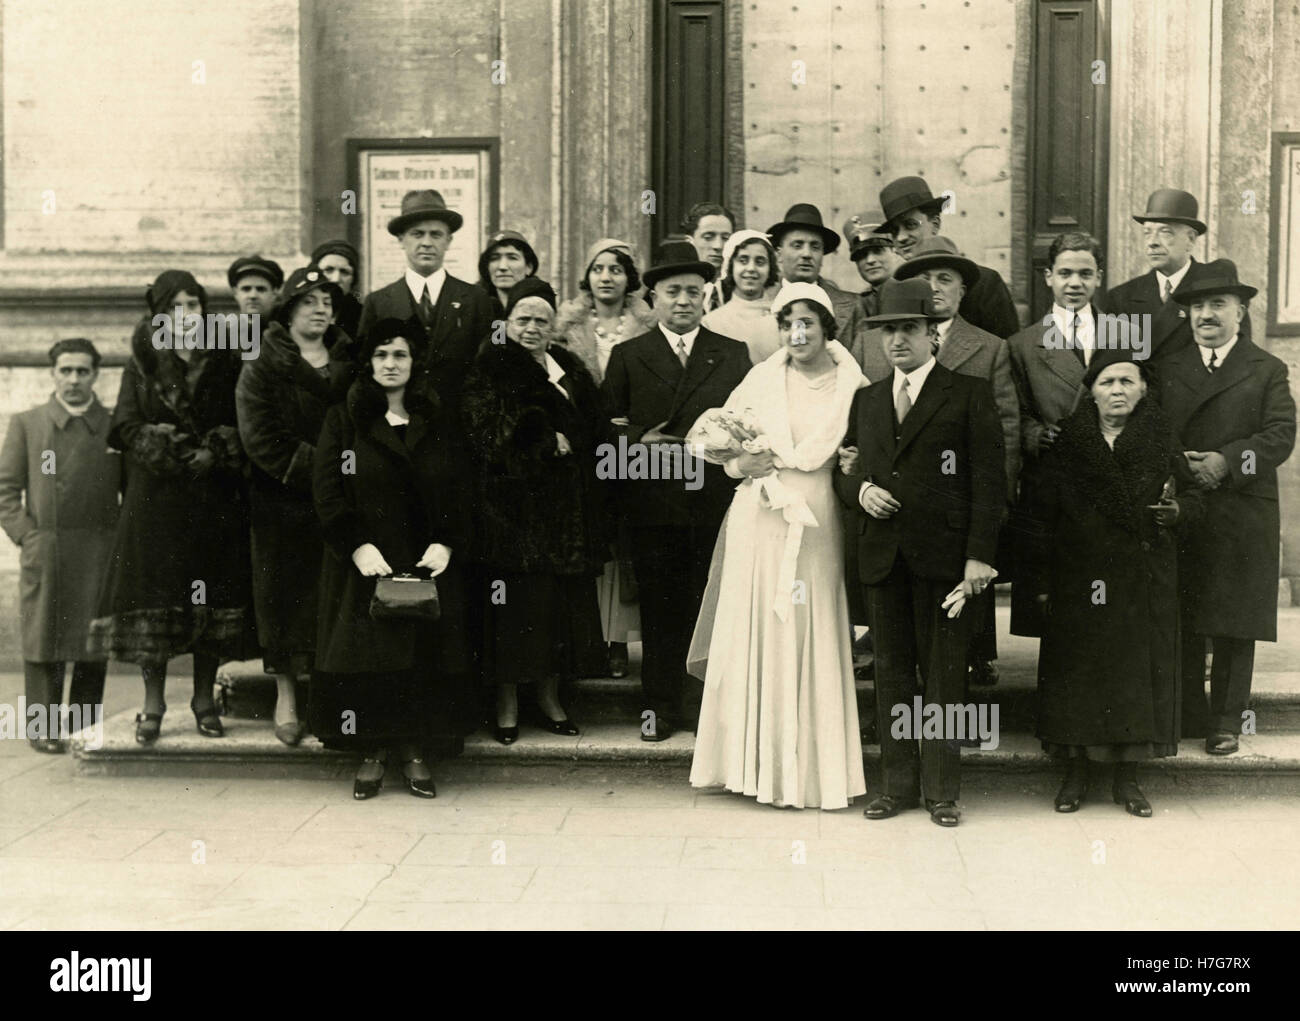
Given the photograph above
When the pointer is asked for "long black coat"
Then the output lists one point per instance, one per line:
(1108, 663)
(536, 511)
(281, 403)
(1229, 562)
(176, 528)
(401, 496)
(462, 321)
(947, 516)
(645, 383)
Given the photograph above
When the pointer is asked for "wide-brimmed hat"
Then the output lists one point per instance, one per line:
(804, 216)
(902, 196)
(1217, 277)
(301, 281)
(802, 291)
(255, 265)
(905, 299)
(935, 252)
(1169, 205)
(862, 232)
(677, 255)
(418, 206)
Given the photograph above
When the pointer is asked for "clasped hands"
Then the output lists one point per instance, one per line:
(1209, 467)
(371, 563)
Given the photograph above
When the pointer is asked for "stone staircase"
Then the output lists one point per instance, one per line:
(607, 710)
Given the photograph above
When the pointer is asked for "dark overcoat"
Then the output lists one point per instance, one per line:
(536, 511)
(1108, 663)
(59, 493)
(1245, 411)
(281, 403)
(179, 526)
(462, 320)
(989, 306)
(399, 495)
(645, 383)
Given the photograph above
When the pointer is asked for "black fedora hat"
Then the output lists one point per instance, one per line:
(804, 216)
(1170, 205)
(903, 195)
(418, 206)
(1217, 277)
(934, 252)
(677, 255)
(255, 265)
(905, 299)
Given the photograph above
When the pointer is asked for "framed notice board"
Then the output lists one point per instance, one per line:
(1284, 238)
(381, 170)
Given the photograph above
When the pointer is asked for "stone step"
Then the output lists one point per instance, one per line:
(1266, 762)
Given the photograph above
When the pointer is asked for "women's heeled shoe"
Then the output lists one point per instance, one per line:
(364, 789)
(618, 659)
(565, 727)
(420, 788)
(147, 727)
(208, 722)
(507, 735)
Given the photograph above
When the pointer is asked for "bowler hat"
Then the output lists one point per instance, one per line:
(418, 206)
(1169, 205)
(677, 255)
(904, 299)
(804, 216)
(301, 281)
(1217, 277)
(934, 252)
(903, 195)
(255, 265)
(862, 232)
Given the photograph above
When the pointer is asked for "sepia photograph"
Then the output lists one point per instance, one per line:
(650, 465)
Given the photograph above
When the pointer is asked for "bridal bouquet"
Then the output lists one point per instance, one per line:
(720, 434)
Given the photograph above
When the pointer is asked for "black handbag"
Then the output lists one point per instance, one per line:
(405, 597)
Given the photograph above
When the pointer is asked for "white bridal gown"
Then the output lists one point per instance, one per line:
(779, 719)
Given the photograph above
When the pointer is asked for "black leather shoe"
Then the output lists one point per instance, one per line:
(147, 726)
(506, 735)
(984, 673)
(208, 722)
(49, 745)
(1133, 800)
(565, 727)
(420, 788)
(618, 659)
(1075, 787)
(365, 789)
(943, 813)
(886, 806)
(1221, 744)
(659, 729)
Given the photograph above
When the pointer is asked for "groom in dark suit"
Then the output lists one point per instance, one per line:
(926, 495)
(457, 316)
(656, 386)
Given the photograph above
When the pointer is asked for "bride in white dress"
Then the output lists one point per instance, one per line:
(779, 719)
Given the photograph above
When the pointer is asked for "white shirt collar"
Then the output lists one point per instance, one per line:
(913, 380)
(554, 373)
(77, 412)
(1085, 335)
(1174, 280)
(416, 284)
(943, 326)
(673, 338)
(1220, 353)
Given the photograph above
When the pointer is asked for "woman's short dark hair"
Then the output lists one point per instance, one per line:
(773, 273)
(826, 318)
(629, 269)
(77, 346)
(697, 212)
(1075, 241)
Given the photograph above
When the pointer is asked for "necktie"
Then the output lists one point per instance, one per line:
(1074, 332)
(426, 308)
(902, 403)
(1212, 363)
(1168, 291)
(681, 351)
